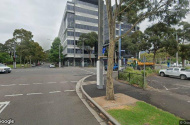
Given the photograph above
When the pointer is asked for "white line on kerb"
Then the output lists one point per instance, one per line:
(37, 83)
(55, 92)
(34, 93)
(23, 84)
(9, 85)
(14, 95)
(69, 90)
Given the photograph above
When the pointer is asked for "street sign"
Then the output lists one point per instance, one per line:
(103, 50)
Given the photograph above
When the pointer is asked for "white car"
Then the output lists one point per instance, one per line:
(176, 72)
(52, 66)
(5, 69)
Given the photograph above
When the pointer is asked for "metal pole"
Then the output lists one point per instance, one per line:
(59, 57)
(100, 78)
(119, 49)
(144, 72)
(83, 54)
(177, 50)
(14, 61)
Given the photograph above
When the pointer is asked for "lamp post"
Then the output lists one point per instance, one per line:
(59, 57)
(83, 54)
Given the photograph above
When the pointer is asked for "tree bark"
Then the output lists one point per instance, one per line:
(154, 59)
(111, 23)
(183, 62)
(90, 57)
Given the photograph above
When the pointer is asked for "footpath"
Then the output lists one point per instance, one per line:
(161, 100)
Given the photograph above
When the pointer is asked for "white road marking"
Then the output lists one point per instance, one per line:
(69, 90)
(3, 106)
(88, 71)
(64, 82)
(13, 95)
(51, 82)
(9, 85)
(37, 83)
(165, 88)
(23, 84)
(55, 92)
(188, 101)
(74, 81)
(34, 93)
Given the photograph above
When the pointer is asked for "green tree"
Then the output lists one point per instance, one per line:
(54, 51)
(90, 40)
(5, 57)
(184, 52)
(160, 35)
(135, 43)
(135, 11)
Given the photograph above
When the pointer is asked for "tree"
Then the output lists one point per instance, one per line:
(90, 40)
(184, 52)
(54, 51)
(184, 32)
(160, 35)
(5, 57)
(136, 11)
(135, 43)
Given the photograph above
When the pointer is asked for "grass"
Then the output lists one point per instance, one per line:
(143, 114)
(20, 66)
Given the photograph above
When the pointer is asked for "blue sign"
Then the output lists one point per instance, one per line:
(103, 50)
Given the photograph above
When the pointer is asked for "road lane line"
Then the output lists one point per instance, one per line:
(23, 84)
(69, 90)
(34, 93)
(55, 92)
(165, 88)
(9, 85)
(5, 104)
(13, 95)
(74, 81)
(37, 83)
(51, 82)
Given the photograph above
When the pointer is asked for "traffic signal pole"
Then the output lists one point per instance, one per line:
(100, 63)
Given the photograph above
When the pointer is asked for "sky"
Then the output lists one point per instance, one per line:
(41, 17)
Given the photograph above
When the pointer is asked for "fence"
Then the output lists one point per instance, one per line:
(133, 78)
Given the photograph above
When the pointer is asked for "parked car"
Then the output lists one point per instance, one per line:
(175, 65)
(5, 69)
(115, 67)
(176, 72)
(52, 66)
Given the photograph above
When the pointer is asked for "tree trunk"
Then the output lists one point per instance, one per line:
(111, 22)
(183, 62)
(154, 59)
(90, 58)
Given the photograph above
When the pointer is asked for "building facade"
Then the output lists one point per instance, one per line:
(81, 16)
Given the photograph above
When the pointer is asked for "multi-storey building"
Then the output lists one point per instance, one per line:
(81, 16)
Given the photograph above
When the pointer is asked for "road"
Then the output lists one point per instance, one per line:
(44, 96)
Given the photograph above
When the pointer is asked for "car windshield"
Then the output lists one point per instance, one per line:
(2, 65)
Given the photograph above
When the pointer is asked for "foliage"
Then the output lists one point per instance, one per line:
(135, 43)
(135, 11)
(5, 57)
(184, 52)
(54, 51)
(26, 48)
(89, 40)
(142, 114)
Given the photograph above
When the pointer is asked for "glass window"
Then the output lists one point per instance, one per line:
(86, 27)
(77, 9)
(86, 19)
(170, 69)
(176, 69)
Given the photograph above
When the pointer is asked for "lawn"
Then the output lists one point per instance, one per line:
(143, 114)
(20, 66)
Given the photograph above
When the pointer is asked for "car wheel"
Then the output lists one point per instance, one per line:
(183, 77)
(162, 74)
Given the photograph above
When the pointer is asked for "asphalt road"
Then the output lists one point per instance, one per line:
(44, 96)
(171, 84)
